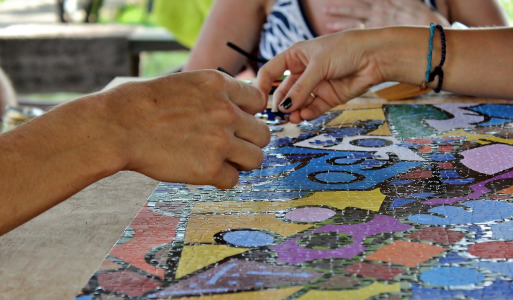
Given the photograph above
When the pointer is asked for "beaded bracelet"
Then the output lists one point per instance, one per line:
(423, 86)
(430, 53)
(438, 69)
(430, 76)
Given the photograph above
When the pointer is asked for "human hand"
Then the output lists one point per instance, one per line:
(324, 72)
(346, 14)
(194, 127)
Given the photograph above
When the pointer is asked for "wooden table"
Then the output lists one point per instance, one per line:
(53, 255)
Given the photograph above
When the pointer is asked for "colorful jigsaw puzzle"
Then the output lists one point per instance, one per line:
(383, 202)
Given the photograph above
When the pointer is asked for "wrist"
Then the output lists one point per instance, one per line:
(402, 54)
(97, 142)
(124, 112)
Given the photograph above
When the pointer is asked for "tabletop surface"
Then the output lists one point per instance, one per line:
(54, 255)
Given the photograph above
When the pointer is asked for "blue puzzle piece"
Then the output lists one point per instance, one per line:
(452, 276)
(452, 258)
(398, 202)
(449, 174)
(458, 181)
(481, 211)
(477, 230)
(499, 289)
(442, 157)
(504, 268)
(495, 122)
(325, 173)
(422, 195)
(504, 111)
(503, 231)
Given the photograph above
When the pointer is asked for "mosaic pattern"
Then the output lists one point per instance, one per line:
(399, 201)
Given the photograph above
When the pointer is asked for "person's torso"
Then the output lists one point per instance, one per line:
(287, 24)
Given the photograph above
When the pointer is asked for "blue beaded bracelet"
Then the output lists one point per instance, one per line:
(430, 53)
(430, 76)
(438, 69)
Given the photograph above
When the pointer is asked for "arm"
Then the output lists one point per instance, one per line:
(342, 66)
(477, 13)
(185, 128)
(239, 22)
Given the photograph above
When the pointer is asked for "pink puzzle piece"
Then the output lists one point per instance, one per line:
(489, 159)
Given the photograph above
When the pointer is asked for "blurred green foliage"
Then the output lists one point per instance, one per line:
(160, 63)
(130, 13)
(133, 14)
(508, 6)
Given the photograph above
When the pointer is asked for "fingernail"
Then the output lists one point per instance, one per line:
(287, 103)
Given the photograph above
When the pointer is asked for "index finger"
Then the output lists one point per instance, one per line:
(270, 72)
(244, 95)
(298, 85)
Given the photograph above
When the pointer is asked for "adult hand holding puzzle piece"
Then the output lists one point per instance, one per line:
(336, 68)
(195, 128)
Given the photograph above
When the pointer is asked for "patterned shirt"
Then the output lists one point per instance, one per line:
(287, 24)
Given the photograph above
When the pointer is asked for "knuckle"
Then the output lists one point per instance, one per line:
(221, 142)
(300, 88)
(299, 45)
(296, 50)
(222, 114)
(213, 81)
(227, 112)
(253, 160)
(263, 72)
(231, 179)
(265, 136)
(217, 78)
(212, 169)
(228, 181)
(258, 159)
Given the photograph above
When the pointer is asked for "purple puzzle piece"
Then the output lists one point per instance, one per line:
(290, 252)
(479, 190)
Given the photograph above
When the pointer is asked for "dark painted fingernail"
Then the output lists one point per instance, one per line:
(287, 103)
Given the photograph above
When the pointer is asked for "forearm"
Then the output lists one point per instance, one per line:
(230, 20)
(478, 62)
(52, 157)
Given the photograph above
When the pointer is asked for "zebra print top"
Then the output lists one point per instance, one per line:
(287, 24)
